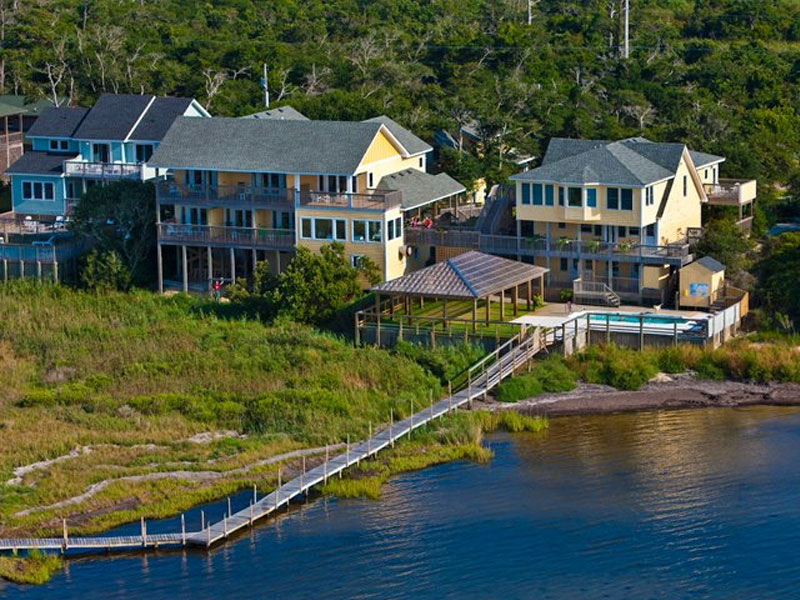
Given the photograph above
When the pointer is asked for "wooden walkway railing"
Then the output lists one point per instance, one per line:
(480, 379)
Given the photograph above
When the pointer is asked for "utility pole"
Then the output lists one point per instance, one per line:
(626, 43)
(265, 87)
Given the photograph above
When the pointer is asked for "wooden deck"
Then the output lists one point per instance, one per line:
(480, 378)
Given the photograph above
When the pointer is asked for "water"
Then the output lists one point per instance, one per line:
(684, 504)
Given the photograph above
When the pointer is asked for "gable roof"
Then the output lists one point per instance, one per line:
(633, 161)
(470, 275)
(112, 117)
(420, 188)
(282, 112)
(703, 159)
(39, 163)
(159, 116)
(711, 264)
(57, 122)
(408, 140)
(268, 145)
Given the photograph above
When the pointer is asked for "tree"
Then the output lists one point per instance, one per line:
(779, 278)
(105, 272)
(724, 241)
(120, 218)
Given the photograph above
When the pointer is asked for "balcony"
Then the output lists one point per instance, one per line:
(101, 170)
(731, 192)
(211, 196)
(214, 235)
(379, 201)
(673, 254)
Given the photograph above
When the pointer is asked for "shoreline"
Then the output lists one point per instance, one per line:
(674, 392)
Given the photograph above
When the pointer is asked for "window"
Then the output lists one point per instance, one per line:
(575, 197)
(615, 269)
(560, 196)
(598, 230)
(368, 231)
(59, 145)
(101, 153)
(650, 231)
(394, 228)
(526, 193)
(633, 231)
(306, 226)
(685, 186)
(537, 194)
(282, 220)
(421, 162)
(355, 260)
(274, 181)
(591, 198)
(143, 152)
(564, 264)
(626, 202)
(548, 195)
(323, 229)
(341, 230)
(649, 196)
(37, 190)
(562, 225)
(370, 180)
(705, 174)
(586, 228)
(612, 198)
(621, 230)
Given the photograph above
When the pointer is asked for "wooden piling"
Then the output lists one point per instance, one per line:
(202, 520)
(144, 532)
(183, 530)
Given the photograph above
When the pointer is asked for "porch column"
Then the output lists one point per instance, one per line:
(160, 262)
(488, 309)
(233, 265)
(541, 286)
(8, 151)
(502, 305)
(210, 266)
(519, 238)
(444, 308)
(378, 320)
(185, 270)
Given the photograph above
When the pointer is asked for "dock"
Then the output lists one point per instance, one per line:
(479, 379)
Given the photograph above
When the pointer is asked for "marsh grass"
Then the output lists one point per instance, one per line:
(549, 375)
(35, 569)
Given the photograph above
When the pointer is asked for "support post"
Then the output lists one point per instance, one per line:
(325, 475)
(641, 332)
(210, 261)
(229, 506)
(202, 520)
(233, 265)
(303, 474)
(529, 294)
(144, 532)
(377, 320)
(183, 530)
(488, 309)
(391, 422)
(411, 425)
(66, 535)
(251, 514)
(502, 305)
(185, 270)
(255, 494)
(160, 261)
(369, 440)
(515, 299)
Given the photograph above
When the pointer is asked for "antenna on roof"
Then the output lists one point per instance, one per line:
(265, 86)
(626, 34)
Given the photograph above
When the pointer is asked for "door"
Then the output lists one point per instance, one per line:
(101, 153)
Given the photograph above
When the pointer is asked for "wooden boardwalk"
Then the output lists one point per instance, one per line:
(481, 377)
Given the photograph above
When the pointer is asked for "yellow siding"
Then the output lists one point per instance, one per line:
(655, 277)
(697, 274)
(225, 178)
(681, 212)
(380, 149)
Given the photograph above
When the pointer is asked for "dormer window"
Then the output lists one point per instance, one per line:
(59, 145)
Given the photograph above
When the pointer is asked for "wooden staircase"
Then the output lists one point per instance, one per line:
(594, 292)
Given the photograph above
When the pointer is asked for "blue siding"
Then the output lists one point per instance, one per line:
(53, 207)
(43, 145)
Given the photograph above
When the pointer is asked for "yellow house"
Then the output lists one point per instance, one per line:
(252, 189)
(612, 219)
(701, 283)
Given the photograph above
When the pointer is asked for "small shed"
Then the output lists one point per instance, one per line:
(472, 276)
(701, 282)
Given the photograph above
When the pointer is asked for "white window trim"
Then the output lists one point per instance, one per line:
(32, 197)
(314, 237)
(367, 239)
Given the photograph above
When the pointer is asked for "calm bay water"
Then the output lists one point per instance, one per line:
(684, 504)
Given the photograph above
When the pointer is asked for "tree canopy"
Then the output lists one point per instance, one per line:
(720, 75)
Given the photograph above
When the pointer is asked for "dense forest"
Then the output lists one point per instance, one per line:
(721, 75)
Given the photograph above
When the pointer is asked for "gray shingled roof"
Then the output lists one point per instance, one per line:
(410, 142)
(112, 117)
(702, 159)
(159, 117)
(470, 275)
(633, 161)
(268, 145)
(286, 113)
(421, 188)
(711, 264)
(39, 163)
(57, 122)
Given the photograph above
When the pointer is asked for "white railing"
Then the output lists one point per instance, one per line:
(101, 170)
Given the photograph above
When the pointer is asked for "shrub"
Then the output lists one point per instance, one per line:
(555, 375)
(518, 388)
(445, 362)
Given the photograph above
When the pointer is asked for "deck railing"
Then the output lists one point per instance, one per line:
(214, 195)
(101, 170)
(376, 201)
(257, 237)
(510, 245)
(731, 192)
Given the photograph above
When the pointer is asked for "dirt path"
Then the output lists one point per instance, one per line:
(95, 488)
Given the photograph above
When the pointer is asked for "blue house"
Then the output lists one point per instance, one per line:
(75, 148)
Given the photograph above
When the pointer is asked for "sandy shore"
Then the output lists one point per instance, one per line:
(683, 391)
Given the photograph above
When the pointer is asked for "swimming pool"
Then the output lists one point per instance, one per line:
(649, 319)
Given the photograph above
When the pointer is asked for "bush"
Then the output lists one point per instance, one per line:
(518, 388)
(621, 368)
(555, 375)
(444, 362)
